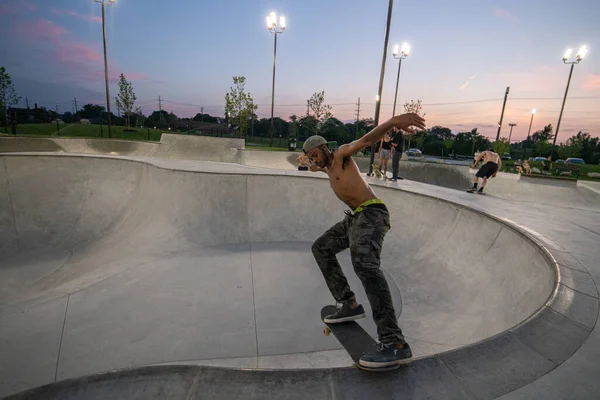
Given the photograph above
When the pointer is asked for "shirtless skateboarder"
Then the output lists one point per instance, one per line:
(362, 230)
(491, 165)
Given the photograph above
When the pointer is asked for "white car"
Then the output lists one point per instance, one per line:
(414, 153)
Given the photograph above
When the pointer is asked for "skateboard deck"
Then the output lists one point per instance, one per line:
(476, 192)
(353, 337)
(376, 171)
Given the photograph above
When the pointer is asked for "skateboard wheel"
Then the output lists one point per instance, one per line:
(326, 331)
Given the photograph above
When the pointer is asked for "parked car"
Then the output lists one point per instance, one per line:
(414, 153)
(506, 156)
(572, 160)
(560, 161)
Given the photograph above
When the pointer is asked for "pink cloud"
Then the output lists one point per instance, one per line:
(40, 30)
(16, 7)
(85, 17)
(502, 13)
(592, 82)
(82, 62)
(7, 9)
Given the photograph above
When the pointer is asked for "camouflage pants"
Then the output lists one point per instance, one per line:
(363, 233)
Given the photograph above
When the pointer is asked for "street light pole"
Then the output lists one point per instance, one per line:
(528, 133)
(580, 56)
(381, 77)
(510, 134)
(272, 26)
(109, 3)
(403, 54)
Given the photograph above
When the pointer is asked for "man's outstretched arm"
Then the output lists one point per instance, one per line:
(407, 122)
(481, 155)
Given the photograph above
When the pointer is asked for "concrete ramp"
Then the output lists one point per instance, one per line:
(10, 144)
(110, 263)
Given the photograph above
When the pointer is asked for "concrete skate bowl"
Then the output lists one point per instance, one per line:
(109, 263)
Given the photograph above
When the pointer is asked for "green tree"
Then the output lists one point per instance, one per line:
(8, 95)
(320, 110)
(543, 148)
(469, 142)
(413, 107)
(160, 118)
(585, 145)
(501, 146)
(140, 118)
(239, 105)
(565, 151)
(542, 135)
(334, 129)
(91, 111)
(448, 144)
(205, 118)
(440, 133)
(307, 126)
(126, 98)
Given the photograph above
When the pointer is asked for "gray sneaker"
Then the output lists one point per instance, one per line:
(345, 314)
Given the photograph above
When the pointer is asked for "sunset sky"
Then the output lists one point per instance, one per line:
(463, 56)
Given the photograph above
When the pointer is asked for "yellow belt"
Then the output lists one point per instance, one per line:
(367, 203)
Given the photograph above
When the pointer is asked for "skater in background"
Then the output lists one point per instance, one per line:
(491, 164)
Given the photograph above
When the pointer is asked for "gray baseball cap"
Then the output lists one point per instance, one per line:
(312, 142)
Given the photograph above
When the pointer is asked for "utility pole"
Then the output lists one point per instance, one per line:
(75, 104)
(27, 102)
(160, 116)
(201, 114)
(502, 115)
(307, 108)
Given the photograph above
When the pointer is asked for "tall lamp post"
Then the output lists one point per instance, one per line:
(528, 133)
(381, 77)
(510, 134)
(108, 3)
(404, 50)
(580, 56)
(272, 26)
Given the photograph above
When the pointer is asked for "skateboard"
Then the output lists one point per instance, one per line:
(476, 192)
(377, 172)
(353, 337)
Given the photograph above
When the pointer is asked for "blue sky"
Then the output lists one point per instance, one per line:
(463, 52)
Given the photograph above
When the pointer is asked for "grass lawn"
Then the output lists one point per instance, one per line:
(87, 131)
(582, 169)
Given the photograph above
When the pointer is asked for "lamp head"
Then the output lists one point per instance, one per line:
(405, 49)
(582, 52)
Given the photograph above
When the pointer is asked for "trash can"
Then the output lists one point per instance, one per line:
(292, 144)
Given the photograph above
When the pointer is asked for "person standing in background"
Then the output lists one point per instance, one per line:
(397, 141)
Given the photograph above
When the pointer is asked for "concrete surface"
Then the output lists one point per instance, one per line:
(124, 262)
(444, 173)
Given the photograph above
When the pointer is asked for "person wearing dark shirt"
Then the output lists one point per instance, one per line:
(397, 140)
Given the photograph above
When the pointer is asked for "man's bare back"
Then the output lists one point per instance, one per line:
(490, 156)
